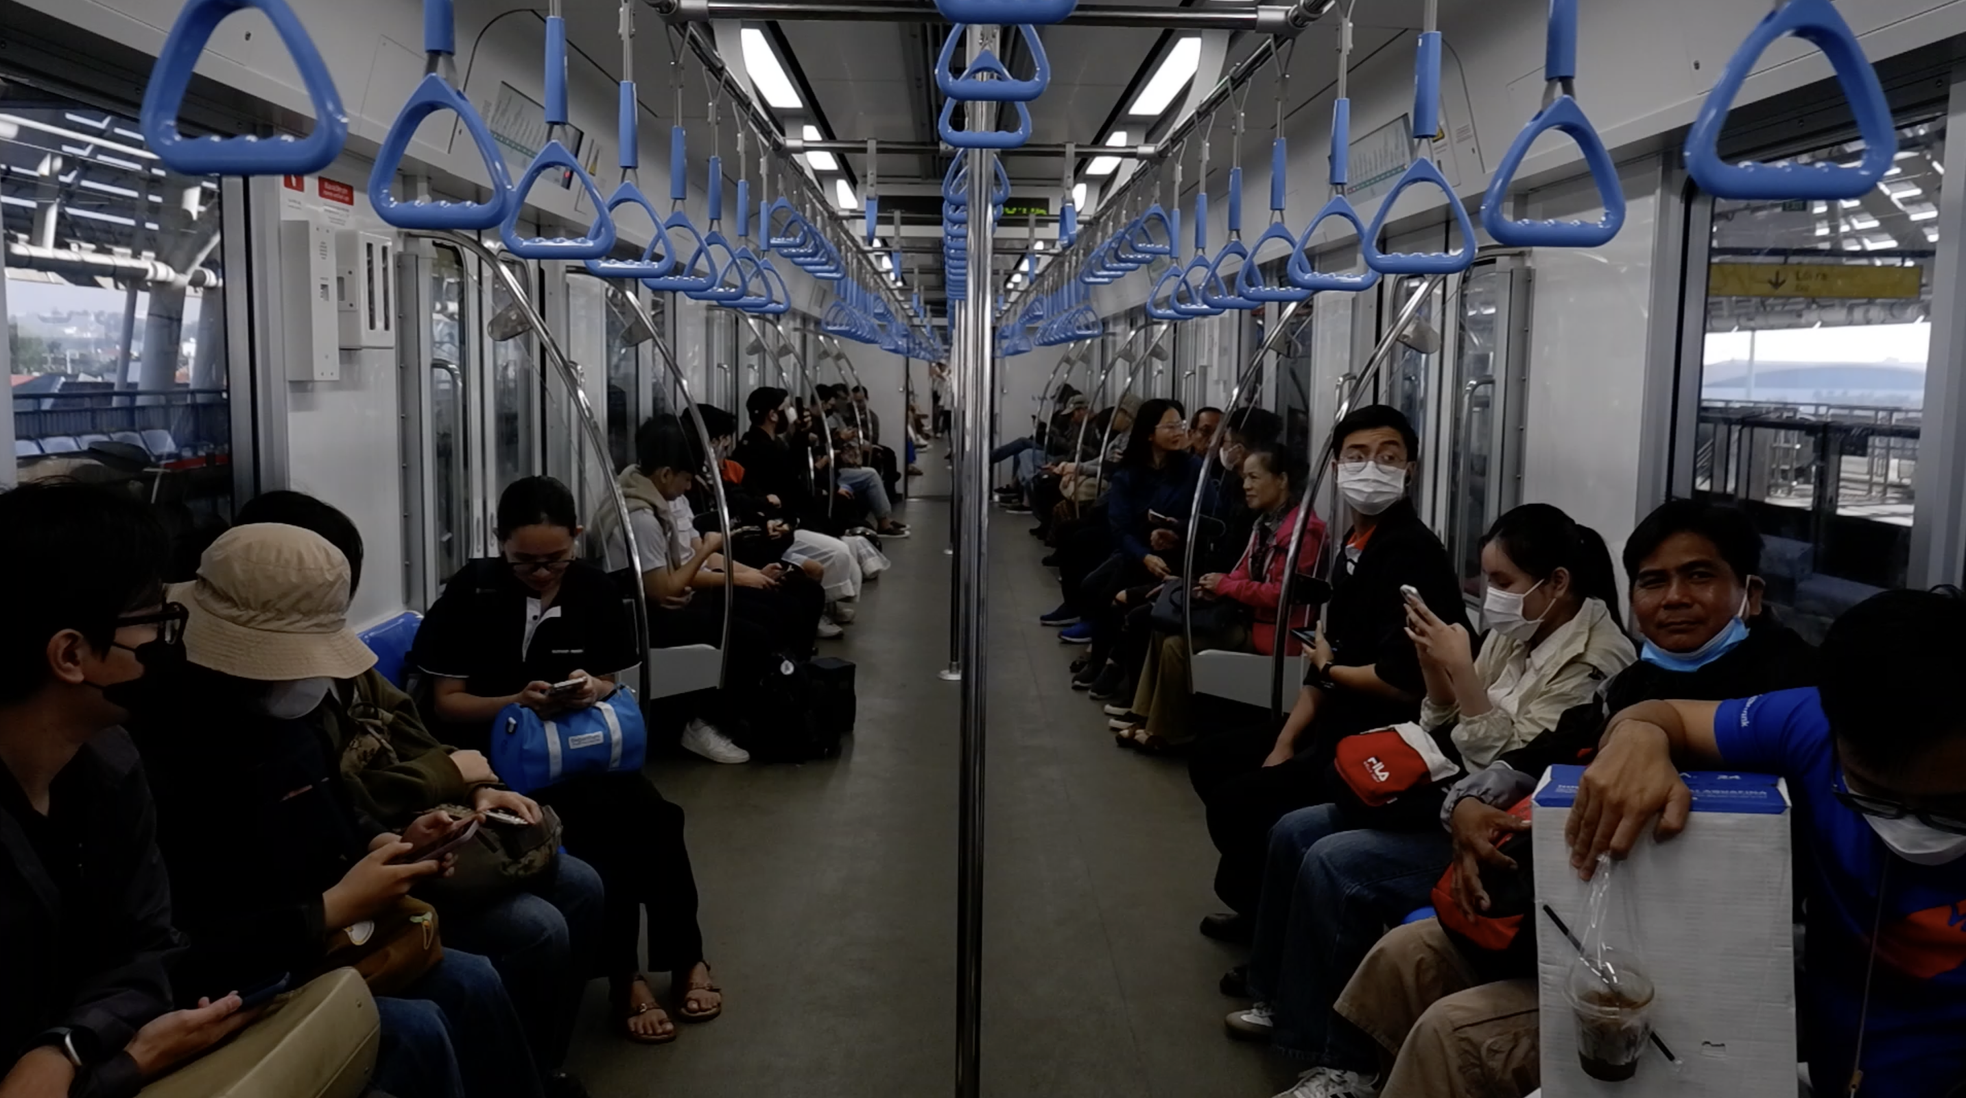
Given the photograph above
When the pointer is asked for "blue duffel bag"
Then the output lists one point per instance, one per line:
(531, 752)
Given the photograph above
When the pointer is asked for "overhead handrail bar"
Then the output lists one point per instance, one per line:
(1197, 266)
(1249, 281)
(1816, 22)
(1301, 273)
(1006, 11)
(1560, 112)
(629, 191)
(1426, 123)
(437, 91)
(282, 154)
(599, 240)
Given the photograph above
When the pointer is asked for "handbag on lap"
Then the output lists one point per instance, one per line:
(499, 859)
(1213, 617)
(392, 950)
(532, 752)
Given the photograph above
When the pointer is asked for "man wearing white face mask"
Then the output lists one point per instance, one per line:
(1362, 674)
(1875, 759)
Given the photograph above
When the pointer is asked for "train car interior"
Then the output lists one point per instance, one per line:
(1177, 548)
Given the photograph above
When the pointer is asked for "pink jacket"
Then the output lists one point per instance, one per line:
(1262, 597)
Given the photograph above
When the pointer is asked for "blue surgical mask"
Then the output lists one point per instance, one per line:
(1717, 646)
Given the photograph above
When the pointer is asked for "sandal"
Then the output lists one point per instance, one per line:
(1149, 744)
(630, 1012)
(692, 988)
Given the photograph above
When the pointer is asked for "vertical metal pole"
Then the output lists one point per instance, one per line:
(972, 499)
(958, 358)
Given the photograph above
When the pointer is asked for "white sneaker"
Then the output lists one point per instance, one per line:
(840, 612)
(829, 629)
(1323, 1082)
(1254, 1024)
(1117, 710)
(702, 738)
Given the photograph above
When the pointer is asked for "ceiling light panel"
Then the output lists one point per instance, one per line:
(1176, 69)
(819, 161)
(769, 76)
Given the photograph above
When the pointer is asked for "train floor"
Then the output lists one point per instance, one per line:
(829, 890)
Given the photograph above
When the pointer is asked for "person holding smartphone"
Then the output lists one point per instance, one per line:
(268, 853)
(85, 907)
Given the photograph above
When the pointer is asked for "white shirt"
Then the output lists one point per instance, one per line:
(664, 543)
(533, 617)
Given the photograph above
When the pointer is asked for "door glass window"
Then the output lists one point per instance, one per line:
(515, 385)
(115, 313)
(1484, 477)
(1812, 379)
(449, 409)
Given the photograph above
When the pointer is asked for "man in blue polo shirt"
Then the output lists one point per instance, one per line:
(1876, 763)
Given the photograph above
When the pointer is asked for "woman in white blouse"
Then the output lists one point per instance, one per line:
(1554, 635)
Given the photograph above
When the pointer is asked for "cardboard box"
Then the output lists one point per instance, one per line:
(1708, 917)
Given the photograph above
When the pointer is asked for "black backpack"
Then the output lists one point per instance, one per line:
(785, 725)
(832, 696)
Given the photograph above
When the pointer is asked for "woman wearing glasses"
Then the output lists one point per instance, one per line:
(504, 632)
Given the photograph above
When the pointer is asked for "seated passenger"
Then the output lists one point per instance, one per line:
(268, 855)
(502, 633)
(1338, 873)
(85, 1003)
(1363, 672)
(1461, 1021)
(1147, 506)
(541, 938)
(1273, 484)
(1201, 430)
(1875, 760)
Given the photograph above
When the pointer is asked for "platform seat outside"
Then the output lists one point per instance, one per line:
(131, 438)
(160, 443)
(26, 447)
(87, 441)
(391, 642)
(1241, 676)
(60, 444)
(319, 1041)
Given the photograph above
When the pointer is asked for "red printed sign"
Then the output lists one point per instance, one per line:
(294, 182)
(334, 191)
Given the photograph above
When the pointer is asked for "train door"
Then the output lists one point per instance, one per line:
(441, 373)
(1484, 455)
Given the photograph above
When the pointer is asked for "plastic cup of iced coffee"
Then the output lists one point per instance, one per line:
(1613, 1005)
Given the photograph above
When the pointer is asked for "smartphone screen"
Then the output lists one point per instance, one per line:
(1307, 635)
(457, 837)
(260, 996)
(559, 689)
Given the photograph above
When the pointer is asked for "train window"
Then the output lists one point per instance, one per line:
(515, 382)
(449, 319)
(1486, 453)
(1812, 377)
(115, 313)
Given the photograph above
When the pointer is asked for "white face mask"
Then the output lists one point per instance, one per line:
(1501, 611)
(1916, 842)
(290, 701)
(1371, 487)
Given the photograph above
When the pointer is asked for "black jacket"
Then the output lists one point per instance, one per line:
(1366, 618)
(772, 467)
(91, 956)
(254, 824)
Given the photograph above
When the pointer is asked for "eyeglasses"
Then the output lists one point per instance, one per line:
(1886, 809)
(1376, 459)
(552, 567)
(169, 620)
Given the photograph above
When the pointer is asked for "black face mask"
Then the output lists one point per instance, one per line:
(148, 693)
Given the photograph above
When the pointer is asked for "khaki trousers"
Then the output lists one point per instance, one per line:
(1449, 1036)
(1163, 694)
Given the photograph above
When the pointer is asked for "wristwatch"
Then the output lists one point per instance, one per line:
(69, 1042)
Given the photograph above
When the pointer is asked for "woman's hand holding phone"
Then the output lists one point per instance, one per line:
(488, 799)
(373, 883)
(170, 1039)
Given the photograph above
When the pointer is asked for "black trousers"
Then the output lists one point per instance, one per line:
(884, 462)
(1079, 556)
(621, 826)
(1244, 798)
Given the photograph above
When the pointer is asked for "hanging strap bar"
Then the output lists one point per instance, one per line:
(284, 154)
(1301, 273)
(432, 94)
(1560, 112)
(600, 237)
(659, 258)
(1426, 122)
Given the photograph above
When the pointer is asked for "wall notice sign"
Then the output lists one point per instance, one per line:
(294, 182)
(1833, 280)
(1380, 158)
(334, 190)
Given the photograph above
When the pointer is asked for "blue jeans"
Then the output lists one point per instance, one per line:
(1013, 448)
(470, 1046)
(415, 1059)
(1330, 889)
(865, 484)
(543, 942)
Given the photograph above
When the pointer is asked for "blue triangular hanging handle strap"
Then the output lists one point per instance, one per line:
(600, 237)
(1249, 280)
(983, 139)
(659, 258)
(170, 78)
(1817, 22)
(1426, 123)
(970, 87)
(1302, 274)
(434, 93)
(1560, 112)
